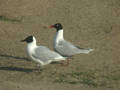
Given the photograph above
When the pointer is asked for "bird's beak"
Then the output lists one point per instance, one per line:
(52, 26)
(23, 40)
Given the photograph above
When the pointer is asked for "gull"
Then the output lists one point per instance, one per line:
(40, 54)
(63, 47)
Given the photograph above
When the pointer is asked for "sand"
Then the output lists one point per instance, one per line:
(87, 23)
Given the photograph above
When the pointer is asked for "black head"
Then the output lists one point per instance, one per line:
(58, 26)
(29, 39)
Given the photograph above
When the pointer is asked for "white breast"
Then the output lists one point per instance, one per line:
(58, 37)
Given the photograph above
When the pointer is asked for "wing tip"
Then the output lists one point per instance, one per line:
(88, 51)
(92, 49)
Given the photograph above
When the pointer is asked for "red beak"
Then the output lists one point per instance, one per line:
(52, 26)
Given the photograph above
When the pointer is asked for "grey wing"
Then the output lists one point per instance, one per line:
(45, 54)
(66, 48)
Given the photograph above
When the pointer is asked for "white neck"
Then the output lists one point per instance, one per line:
(32, 45)
(59, 36)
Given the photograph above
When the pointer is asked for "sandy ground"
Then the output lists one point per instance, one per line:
(87, 23)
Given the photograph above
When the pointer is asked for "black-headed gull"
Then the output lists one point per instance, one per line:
(64, 47)
(40, 54)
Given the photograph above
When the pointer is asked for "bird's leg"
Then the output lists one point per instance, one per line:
(68, 61)
(38, 65)
(39, 68)
(67, 64)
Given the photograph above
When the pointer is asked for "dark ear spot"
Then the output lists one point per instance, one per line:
(29, 39)
(58, 26)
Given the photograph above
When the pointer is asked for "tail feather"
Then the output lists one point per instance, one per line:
(60, 58)
(86, 51)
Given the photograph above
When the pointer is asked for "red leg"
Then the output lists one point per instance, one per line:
(68, 61)
(67, 64)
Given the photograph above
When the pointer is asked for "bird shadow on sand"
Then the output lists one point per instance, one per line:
(14, 57)
(11, 68)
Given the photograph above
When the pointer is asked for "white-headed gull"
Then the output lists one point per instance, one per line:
(40, 54)
(64, 47)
